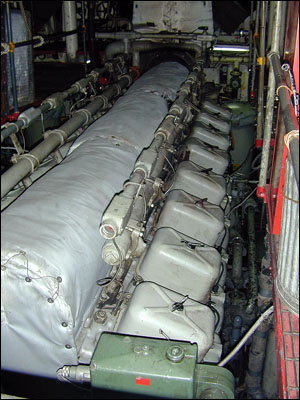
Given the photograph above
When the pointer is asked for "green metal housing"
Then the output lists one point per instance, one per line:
(156, 367)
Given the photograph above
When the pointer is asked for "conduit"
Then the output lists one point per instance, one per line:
(270, 98)
(56, 138)
(28, 116)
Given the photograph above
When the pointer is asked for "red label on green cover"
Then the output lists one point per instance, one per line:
(142, 381)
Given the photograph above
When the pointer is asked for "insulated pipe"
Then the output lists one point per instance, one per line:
(70, 23)
(283, 27)
(259, 340)
(251, 35)
(288, 113)
(84, 36)
(91, 33)
(11, 59)
(254, 50)
(237, 256)
(278, 152)
(118, 47)
(28, 163)
(260, 100)
(54, 100)
(270, 99)
(270, 35)
(251, 255)
(140, 35)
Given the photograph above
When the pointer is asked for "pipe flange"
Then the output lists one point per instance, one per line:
(250, 203)
(62, 135)
(104, 99)
(163, 133)
(77, 86)
(87, 114)
(93, 74)
(130, 79)
(119, 89)
(29, 157)
(272, 53)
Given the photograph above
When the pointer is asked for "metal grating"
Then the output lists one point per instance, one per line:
(23, 62)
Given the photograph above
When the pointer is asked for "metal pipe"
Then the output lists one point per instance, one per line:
(254, 50)
(270, 35)
(91, 34)
(283, 27)
(251, 256)
(237, 256)
(56, 138)
(288, 113)
(278, 152)
(84, 36)
(251, 34)
(139, 35)
(26, 118)
(270, 99)
(70, 23)
(11, 59)
(260, 100)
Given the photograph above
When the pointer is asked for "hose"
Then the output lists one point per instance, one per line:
(260, 320)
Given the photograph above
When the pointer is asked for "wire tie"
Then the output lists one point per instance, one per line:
(29, 157)
(60, 133)
(289, 198)
(289, 136)
(41, 39)
(285, 87)
(11, 47)
(88, 115)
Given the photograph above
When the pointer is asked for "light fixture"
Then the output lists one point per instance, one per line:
(230, 47)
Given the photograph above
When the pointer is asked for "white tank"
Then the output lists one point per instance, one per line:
(210, 136)
(199, 182)
(193, 217)
(150, 313)
(206, 156)
(174, 261)
(214, 122)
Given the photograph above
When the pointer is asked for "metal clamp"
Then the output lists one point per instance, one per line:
(29, 157)
(62, 134)
(86, 113)
(104, 99)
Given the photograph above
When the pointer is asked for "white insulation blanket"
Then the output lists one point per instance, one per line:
(51, 246)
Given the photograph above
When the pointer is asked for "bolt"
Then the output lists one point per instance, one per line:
(137, 349)
(27, 279)
(59, 279)
(93, 365)
(50, 300)
(64, 324)
(100, 316)
(68, 346)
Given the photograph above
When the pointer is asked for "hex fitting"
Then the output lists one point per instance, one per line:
(55, 100)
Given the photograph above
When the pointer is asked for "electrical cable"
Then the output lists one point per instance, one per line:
(174, 291)
(242, 202)
(253, 166)
(243, 163)
(263, 316)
